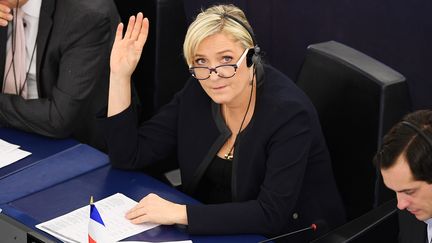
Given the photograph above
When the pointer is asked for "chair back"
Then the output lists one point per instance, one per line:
(358, 100)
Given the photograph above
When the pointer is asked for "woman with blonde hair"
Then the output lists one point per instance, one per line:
(248, 141)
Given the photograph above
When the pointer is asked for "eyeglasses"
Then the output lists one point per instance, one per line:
(223, 71)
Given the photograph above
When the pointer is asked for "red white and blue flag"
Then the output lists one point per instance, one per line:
(97, 231)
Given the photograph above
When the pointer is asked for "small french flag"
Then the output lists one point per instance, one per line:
(97, 232)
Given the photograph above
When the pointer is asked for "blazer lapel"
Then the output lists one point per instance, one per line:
(3, 39)
(44, 30)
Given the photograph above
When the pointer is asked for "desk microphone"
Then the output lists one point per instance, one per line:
(314, 227)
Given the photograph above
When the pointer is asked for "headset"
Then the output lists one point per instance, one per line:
(253, 56)
(419, 132)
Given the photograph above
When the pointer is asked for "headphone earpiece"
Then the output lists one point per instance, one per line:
(253, 56)
(249, 57)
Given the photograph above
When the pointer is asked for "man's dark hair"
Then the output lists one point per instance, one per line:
(409, 138)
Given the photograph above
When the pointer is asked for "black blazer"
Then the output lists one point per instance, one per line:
(72, 67)
(282, 177)
(411, 229)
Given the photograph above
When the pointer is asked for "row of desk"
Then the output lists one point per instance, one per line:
(61, 175)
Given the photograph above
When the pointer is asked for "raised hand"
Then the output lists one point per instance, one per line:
(127, 49)
(125, 54)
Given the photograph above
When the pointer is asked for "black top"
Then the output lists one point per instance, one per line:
(282, 178)
(215, 185)
(411, 229)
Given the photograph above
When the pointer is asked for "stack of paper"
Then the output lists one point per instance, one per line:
(10, 153)
(72, 227)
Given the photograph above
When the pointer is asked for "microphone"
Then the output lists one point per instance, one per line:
(314, 227)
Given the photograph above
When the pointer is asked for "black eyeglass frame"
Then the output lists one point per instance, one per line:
(235, 66)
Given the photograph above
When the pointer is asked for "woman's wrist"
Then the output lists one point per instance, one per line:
(119, 95)
(181, 214)
(119, 79)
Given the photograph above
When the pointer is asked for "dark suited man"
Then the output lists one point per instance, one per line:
(406, 165)
(64, 81)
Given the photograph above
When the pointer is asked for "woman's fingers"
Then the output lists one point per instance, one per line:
(119, 33)
(130, 27)
(137, 26)
(142, 37)
(135, 212)
(138, 213)
(141, 219)
(137, 29)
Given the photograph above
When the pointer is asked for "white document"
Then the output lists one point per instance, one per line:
(10, 153)
(6, 147)
(73, 227)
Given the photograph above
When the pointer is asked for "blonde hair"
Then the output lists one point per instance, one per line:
(213, 20)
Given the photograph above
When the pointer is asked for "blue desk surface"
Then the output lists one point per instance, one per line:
(50, 171)
(100, 183)
(40, 147)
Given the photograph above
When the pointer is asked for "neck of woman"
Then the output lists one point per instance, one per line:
(237, 116)
(237, 110)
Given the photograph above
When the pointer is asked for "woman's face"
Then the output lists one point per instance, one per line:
(220, 49)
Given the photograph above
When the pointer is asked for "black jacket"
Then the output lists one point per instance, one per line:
(282, 177)
(72, 66)
(411, 229)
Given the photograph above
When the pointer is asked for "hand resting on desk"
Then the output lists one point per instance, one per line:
(155, 209)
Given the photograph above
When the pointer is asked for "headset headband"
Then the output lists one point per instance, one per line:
(419, 131)
(249, 30)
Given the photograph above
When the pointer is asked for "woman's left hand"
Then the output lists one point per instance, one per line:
(126, 50)
(154, 209)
